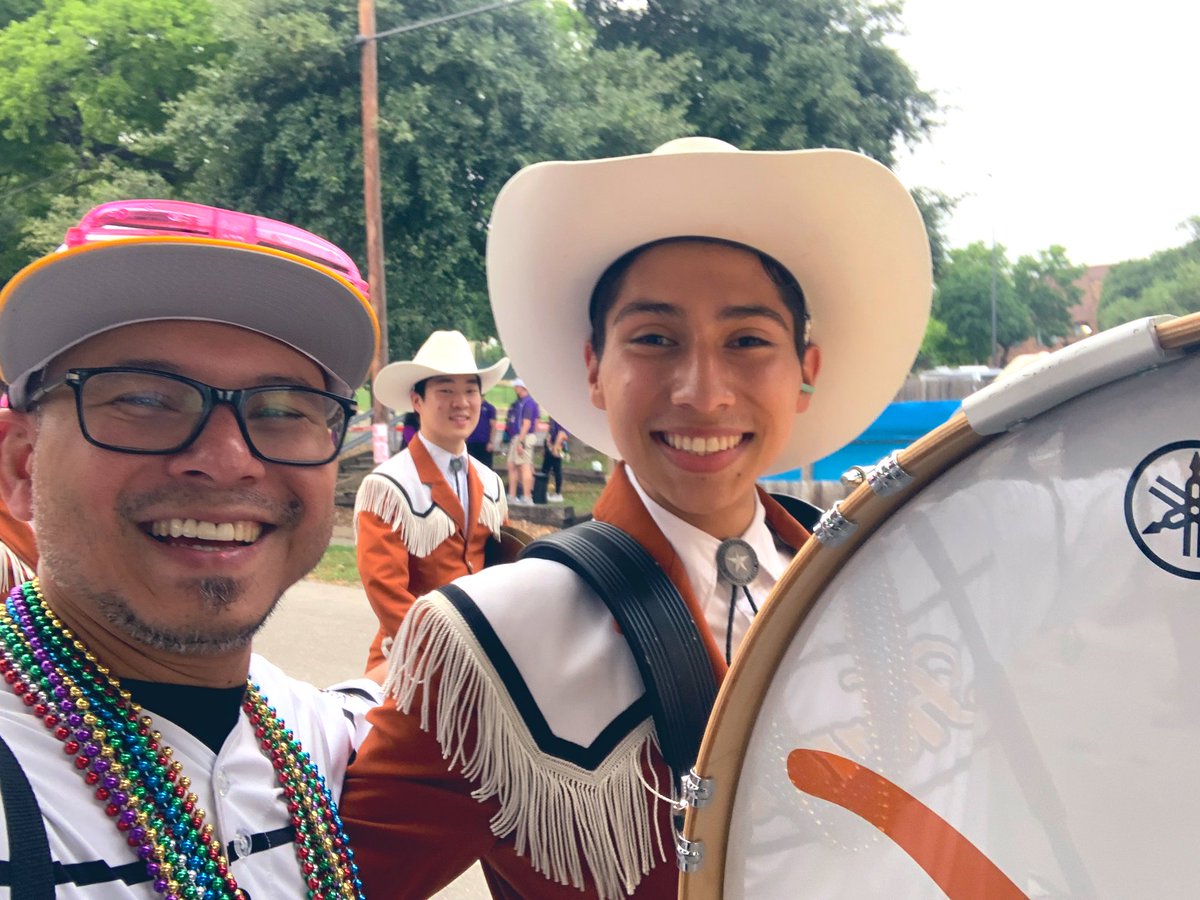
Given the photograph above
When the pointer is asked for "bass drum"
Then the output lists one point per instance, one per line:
(983, 678)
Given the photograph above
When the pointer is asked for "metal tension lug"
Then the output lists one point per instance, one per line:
(695, 790)
(689, 855)
(834, 527)
(887, 477)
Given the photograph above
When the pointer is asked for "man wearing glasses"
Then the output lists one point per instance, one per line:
(180, 381)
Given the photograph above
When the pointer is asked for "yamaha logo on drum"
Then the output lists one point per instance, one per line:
(1162, 508)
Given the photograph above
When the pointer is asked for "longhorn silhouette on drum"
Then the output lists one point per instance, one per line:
(978, 680)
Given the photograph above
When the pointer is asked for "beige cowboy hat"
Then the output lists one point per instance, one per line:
(841, 222)
(443, 353)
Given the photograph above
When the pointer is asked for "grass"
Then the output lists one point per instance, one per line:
(339, 565)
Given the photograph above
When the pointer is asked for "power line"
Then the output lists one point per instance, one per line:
(439, 20)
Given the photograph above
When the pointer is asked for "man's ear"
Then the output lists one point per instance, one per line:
(595, 390)
(416, 400)
(18, 431)
(809, 367)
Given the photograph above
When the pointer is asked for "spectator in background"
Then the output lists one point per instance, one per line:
(410, 424)
(552, 460)
(521, 428)
(479, 444)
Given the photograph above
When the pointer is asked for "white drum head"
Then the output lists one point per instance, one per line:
(998, 693)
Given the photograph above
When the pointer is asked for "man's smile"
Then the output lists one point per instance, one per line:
(241, 531)
(701, 445)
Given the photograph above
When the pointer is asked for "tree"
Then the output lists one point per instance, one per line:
(1166, 283)
(275, 129)
(1045, 285)
(963, 304)
(936, 207)
(84, 83)
(769, 74)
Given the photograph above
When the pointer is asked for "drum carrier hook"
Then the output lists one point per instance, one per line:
(695, 791)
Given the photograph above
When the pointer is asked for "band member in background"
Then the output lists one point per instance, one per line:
(425, 516)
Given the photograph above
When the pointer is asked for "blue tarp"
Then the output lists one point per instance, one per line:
(897, 426)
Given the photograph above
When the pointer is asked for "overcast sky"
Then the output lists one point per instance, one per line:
(1066, 122)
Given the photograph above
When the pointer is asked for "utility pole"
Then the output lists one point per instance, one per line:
(373, 207)
(993, 355)
(368, 40)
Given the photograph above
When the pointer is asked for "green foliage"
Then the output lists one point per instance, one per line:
(275, 129)
(936, 208)
(16, 10)
(1167, 283)
(769, 74)
(1046, 287)
(84, 83)
(1033, 299)
(963, 303)
(255, 104)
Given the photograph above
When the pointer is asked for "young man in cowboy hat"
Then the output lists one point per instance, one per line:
(424, 517)
(674, 293)
(180, 379)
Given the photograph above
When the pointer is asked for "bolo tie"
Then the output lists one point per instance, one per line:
(456, 466)
(737, 563)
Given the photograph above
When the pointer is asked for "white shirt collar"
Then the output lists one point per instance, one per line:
(697, 550)
(441, 458)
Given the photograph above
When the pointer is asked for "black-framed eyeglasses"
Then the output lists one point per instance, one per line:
(145, 411)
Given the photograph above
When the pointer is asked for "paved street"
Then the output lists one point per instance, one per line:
(320, 633)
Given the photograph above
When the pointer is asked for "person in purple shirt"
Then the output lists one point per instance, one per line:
(552, 460)
(479, 444)
(521, 428)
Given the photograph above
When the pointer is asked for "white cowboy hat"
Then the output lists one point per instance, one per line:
(842, 223)
(443, 353)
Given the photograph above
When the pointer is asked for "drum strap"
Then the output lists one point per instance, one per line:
(680, 683)
(807, 514)
(29, 872)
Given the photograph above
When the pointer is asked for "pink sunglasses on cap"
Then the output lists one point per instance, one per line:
(138, 218)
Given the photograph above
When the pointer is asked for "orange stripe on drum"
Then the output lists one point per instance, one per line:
(958, 866)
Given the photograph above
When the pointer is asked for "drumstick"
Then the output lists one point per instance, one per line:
(957, 866)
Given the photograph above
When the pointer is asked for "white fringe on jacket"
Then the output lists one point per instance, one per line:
(12, 570)
(421, 534)
(559, 815)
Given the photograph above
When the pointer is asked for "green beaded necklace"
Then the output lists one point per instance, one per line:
(131, 771)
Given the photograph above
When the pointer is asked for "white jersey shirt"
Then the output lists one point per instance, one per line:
(237, 789)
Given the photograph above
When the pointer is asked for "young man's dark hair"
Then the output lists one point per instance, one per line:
(419, 387)
(609, 285)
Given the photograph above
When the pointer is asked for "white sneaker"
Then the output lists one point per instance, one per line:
(521, 501)
(554, 498)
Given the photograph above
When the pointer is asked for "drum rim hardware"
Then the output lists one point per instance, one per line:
(689, 855)
(695, 790)
(1065, 374)
(885, 478)
(834, 527)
